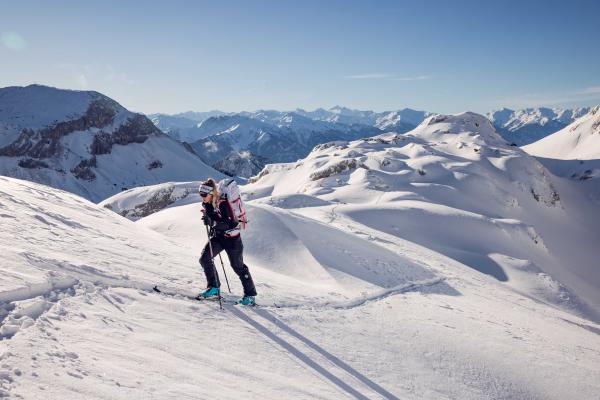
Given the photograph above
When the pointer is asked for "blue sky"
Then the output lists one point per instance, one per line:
(441, 56)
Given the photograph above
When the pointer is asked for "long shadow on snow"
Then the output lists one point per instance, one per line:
(581, 170)
(306, 359)
(338, 251)
(453, 236)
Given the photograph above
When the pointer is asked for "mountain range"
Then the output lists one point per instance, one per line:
(277, 136)
(526, 126)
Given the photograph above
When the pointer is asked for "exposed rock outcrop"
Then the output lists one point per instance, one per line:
(242, 163)
(45, 143)
(136, 129)
(30, 163)
(83, 170)
(155, 164)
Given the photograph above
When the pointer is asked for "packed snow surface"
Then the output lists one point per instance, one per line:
(580, 140)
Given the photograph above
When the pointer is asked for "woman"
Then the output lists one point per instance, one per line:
(225, 235)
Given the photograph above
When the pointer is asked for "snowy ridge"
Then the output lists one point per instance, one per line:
(142, 201)
(572, 155)
(86, 143)
(183, 126)
(531, 124)
(272, 135)
(397, 121)
(580, 140)
(455, 186)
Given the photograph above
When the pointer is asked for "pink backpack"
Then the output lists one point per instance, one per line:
(229, 190)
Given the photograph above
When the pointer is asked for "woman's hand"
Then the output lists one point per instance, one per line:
(207, 220)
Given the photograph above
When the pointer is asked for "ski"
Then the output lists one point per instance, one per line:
(224, 300)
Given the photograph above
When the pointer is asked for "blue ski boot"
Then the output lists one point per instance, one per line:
(247, 301)
(210, 293)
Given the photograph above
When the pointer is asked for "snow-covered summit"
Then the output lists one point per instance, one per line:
(468, 126)
(580, 140)
(464, 137)
(36, 106)
(573, 155)
(86, 143)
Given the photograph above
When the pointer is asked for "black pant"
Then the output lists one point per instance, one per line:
(234, 249)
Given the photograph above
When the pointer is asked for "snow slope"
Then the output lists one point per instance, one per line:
(526, 126)
(580, 140)
(142, 201)
(362, 313)
(86, 143)
(455, 186)
(572, 155)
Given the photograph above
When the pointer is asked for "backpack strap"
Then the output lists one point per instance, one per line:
(235, 231)
(230, 207)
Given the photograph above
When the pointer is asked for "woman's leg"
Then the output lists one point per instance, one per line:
(212, 277)
(235, 253)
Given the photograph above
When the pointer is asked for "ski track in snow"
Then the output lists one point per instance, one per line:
(331, 369)
(55, 290)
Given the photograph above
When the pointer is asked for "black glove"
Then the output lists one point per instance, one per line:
(208, 221)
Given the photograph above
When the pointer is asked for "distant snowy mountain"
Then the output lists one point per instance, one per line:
(240, 163)
(183, 126)
(398, 121)
(200, 116)
(578, 141)
(529, 125)
(342, 115)
(279, 136)
(86, 143)
(573, 154)
(271, 135)
(454, 185)
(276, 136)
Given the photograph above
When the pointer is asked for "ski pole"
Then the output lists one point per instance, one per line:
(225, 273)
(212, 258)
